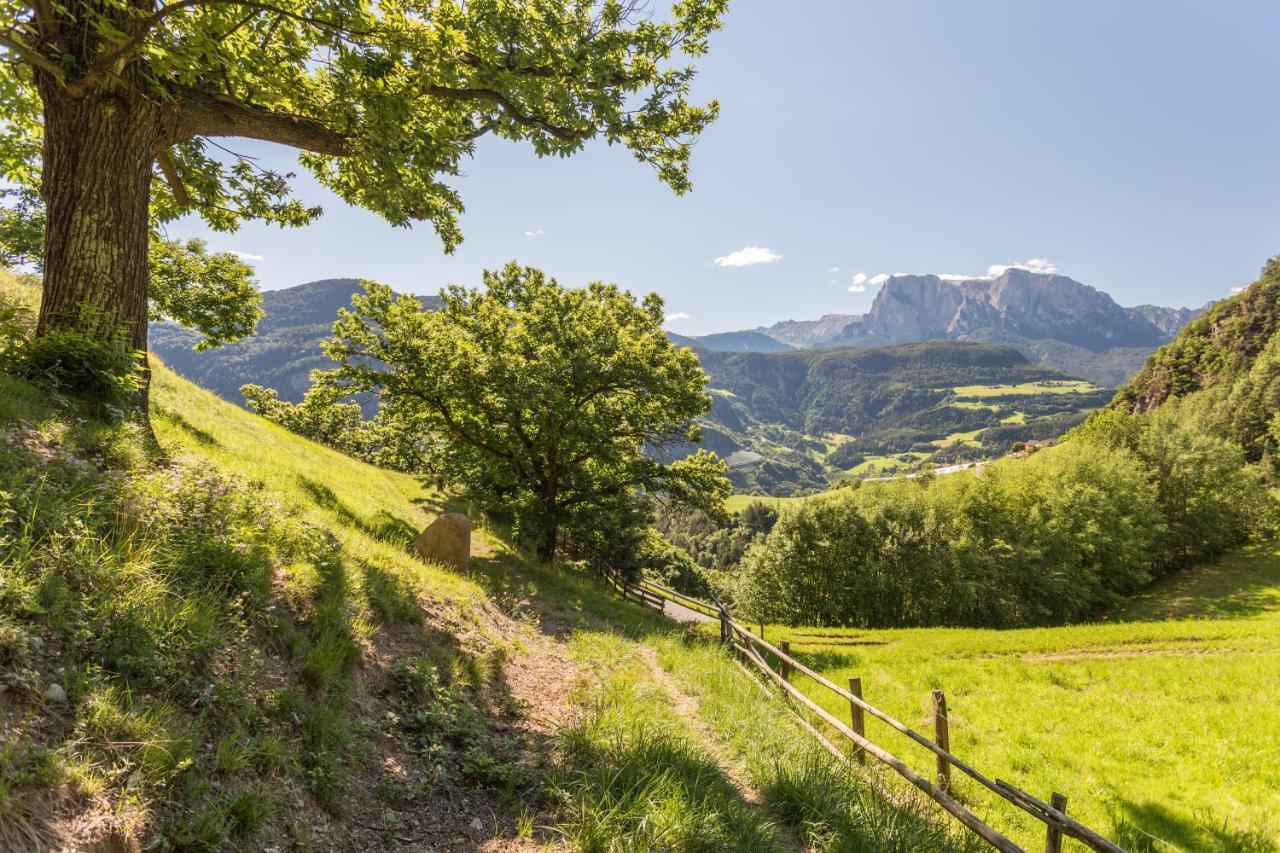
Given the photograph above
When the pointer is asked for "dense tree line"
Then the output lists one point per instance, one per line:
(1044, 540)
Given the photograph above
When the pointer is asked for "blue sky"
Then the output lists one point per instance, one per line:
(1132, 144)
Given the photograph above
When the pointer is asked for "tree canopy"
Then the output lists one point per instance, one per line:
(114, 110)
(545, 399)
(386, 98)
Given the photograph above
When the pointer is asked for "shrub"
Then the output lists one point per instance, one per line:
(75, 363)
(1027, 542)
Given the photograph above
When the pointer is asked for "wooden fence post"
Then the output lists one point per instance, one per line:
(1053, 835)
(856, 718)
(783, 666)
(942, 737)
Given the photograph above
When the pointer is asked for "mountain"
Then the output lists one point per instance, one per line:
(1168, 320)
(748, 341)
(745, 341)
(1053, 319)
(283, 352)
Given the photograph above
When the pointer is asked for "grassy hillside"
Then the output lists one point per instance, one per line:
(247, 655)
(1155, 730)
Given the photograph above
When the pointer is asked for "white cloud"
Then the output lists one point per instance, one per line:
(1239, 289)
(678, 315)
(1038, 265)
(244, 256)
(834, 269)
(537, 232)
(957, 276)
(862, 281)
(747, 256)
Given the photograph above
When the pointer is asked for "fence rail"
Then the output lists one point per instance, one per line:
(757, 651)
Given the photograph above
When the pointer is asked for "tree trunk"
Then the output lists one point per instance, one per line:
(98, 154)
(547, 550)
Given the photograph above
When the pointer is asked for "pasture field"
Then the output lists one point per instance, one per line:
(1163, 734)
(737, 503)
(969, 438)
(1048, 386)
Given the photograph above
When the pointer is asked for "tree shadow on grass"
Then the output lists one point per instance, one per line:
(1153, 828)
(382, 525)
(1240, 585)
(201, 436)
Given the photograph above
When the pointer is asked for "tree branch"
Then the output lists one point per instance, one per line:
(122, 53)
(507, 106)
(32, 57)
(208, 114)
(173, 179)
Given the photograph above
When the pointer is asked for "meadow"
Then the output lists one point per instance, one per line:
(1160, 724)
(1048, 386)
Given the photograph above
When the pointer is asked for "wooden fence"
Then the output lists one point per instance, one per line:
(760, 653)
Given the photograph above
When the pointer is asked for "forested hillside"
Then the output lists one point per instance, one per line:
(1229, 361)
(801, 419)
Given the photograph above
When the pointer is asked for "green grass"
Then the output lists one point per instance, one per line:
(832, 807)
(737, 503)
(1161, 733)
(1048, 386)
(635, 778)
(877, 465)
(1015, 418)
(969, 438)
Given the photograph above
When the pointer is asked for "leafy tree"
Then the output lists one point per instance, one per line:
(215, 294)
(112, 108)
(545, 398)
(325, 415)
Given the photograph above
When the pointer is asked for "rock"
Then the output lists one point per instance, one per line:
(55, 693)
(446, 540)
(477, 824)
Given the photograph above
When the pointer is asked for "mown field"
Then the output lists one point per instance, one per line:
(1049, 386)
(1161, 725)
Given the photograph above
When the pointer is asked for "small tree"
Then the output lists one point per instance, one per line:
(111, 109)
(545, 398)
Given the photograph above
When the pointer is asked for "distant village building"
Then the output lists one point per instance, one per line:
(1026, 448)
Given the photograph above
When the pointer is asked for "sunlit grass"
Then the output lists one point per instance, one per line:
(1157, 731)
(1048, 386)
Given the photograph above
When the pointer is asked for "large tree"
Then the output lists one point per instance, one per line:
(113, 108)
(548, 403)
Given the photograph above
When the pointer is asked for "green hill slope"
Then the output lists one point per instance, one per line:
(247, 655)
(1156, 731)
(1231, 357)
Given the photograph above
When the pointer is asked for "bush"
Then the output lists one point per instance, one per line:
(1027, 542)
(74, 363)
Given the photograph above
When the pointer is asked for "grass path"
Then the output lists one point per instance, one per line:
(686, 707)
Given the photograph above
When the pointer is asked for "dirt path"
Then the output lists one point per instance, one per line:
(680, 613)
(735, 774)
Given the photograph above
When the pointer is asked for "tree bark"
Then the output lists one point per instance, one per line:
(99, 150)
